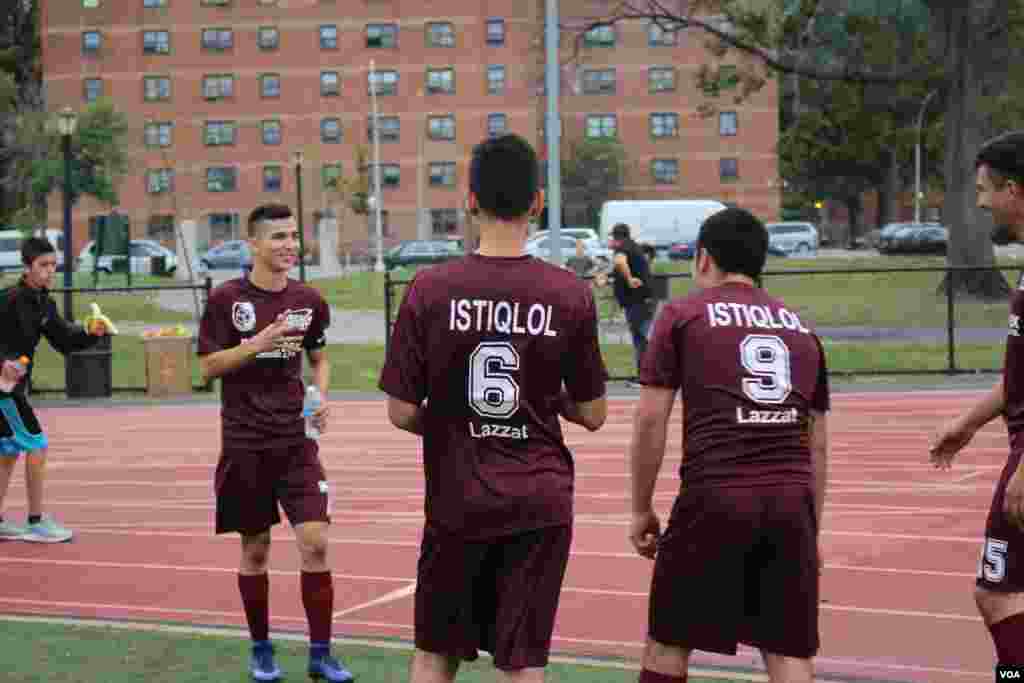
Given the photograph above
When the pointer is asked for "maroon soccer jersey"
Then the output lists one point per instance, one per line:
(749, 372)
(261, 402)
(1013, 369)
(488, 343)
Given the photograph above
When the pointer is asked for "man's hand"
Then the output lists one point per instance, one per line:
(1013, 500)
(269, 337)
(97, 328)
(320, 416)
(948, 441)
(644, 532)
(635, 282)
(12, 371)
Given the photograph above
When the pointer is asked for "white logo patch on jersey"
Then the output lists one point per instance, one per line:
(243, 315)
(299, 319)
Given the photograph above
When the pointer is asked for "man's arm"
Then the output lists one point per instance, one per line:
(819, 460)
(220, 363)
(987, 409)
(321, 367)
(622, 264)
(589, 414)
(64, 336)
(959, 432)
(406, 416)
(647, 447)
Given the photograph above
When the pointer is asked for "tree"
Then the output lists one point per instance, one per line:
(968, 42)
(20, 92)
(592, 171)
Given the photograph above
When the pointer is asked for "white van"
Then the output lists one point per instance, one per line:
(10, 248)
(659, 222)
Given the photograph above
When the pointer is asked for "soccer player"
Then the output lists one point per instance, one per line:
(29, 313)
(738, 561)
(999, 591)
(480, 351)
(252, 335)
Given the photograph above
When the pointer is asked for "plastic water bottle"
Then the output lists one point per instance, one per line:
(311, 403)
(8, 386)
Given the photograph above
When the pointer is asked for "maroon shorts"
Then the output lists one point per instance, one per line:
(738, 565)
(498, 595)
(251, 484)
(1001, 567)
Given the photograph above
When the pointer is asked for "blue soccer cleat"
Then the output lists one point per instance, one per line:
(329, 669)
(262, 665)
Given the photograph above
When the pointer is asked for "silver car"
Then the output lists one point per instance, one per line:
(793, 237)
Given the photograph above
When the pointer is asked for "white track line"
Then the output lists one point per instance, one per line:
(392, 596)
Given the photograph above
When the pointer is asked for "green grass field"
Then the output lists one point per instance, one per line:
(37, 652)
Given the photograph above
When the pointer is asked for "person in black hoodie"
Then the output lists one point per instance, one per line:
(29, 313)
(631, 283)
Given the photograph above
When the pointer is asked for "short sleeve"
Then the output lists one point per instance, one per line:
(662, 364)
(215, 330)
(585, 372)
(821, 401)
(316, 335)
(404, 375)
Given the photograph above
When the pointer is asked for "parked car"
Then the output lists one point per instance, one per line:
(10, 248)
(418, 252)
(592, 247)
(793, 237)
(569, 231)
(916, 239)
(140, 252)
(229, 255)
(687, 250)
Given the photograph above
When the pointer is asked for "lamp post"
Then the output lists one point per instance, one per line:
(66, 123)
(379, 267)
(917, 159)
(302, 230)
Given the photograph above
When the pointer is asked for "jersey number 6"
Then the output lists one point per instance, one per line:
(767, 358)
(493, 390)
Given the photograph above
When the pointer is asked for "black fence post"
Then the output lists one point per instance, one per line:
(950, 320)
(387, 309)
(207, 287)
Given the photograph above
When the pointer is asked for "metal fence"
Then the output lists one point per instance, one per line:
(99, 366)
(873, 322)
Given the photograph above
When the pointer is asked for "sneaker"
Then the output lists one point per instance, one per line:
(46, 530)
(9, 531)
(261, 664)
(329, 669)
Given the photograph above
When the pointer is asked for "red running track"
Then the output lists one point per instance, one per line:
(900, 540)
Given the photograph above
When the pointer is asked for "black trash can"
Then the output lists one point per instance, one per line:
(159, 266)
(89, 373)
(660, 288)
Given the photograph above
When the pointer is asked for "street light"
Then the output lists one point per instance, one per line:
(376, 172)
(302, 230)
(67, 120)
(917, 159)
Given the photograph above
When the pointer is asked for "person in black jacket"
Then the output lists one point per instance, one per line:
(28, 313)
(631, 282)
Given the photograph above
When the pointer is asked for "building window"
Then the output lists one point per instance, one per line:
(268, 38)
(160, 227)
(217, 39)
(221, 179)
(496, 79)
(218, 87)
(93, 89)
(223, 226)
(330, 130)
(599, 82)
(158, 134)
(152, 4)
(271, 129)
(729, 170)
(90, 4)
(390, 128)
(330, 84)
(442, 174)
(728, 123)
(662, 34)
(272, 178)
(444, 221)
(329, 37)
(160, 180)
(441, 127)
(270, 85)
(441, 81)
(727, 79)
(156, 43)
(219, 133)
(601, 126)
(330, 176)
(495, 32)
(664, 125)
(600, 36)
(156, 88)
(381, 35)
(665, 171)
(390, 175)
(497, 124)
(440, 34)
(661, 79)
(92, 41)
(215, 3)
(382, 82)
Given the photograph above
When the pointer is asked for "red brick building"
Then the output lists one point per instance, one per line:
(222, 93)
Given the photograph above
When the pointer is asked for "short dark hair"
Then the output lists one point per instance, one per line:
(33, 248)
(268, 212)
(649, 250)
(1004, 156)
(504, 176)
(737, 240)
(620, 230)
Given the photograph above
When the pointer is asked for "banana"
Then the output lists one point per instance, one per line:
(97, 316)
